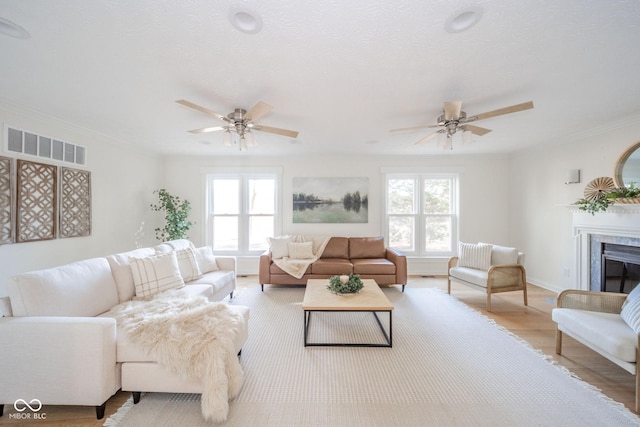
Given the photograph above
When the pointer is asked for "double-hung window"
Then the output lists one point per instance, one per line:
(421, 213)
(242, 211)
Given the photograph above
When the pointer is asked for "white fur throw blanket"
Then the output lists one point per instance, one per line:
(194, 338)
(297, 267)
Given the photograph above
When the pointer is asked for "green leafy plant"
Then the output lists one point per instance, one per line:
(345, 284)
(602, 203)
(176, 216)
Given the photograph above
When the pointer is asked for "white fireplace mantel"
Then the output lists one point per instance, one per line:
(619, 220)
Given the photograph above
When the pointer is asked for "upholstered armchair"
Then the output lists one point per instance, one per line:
(488, 268)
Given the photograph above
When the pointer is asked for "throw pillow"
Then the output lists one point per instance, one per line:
(188, 265)
(474, 256)
(631, 310)
(206, 261)
(155, 274)
(301, 250)
(279, 246)
(503, 255)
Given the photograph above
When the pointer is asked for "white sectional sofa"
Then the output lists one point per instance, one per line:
(60, 341)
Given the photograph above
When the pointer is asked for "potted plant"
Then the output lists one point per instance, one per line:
(176, 216)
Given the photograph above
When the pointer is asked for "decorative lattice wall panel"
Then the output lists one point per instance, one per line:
(6, 201)
(75, 202)
(36, 201)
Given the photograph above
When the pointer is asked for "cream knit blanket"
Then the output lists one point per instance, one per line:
(194, 338)
(297, 267)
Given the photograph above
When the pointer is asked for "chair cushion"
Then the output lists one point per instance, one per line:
(606, 331)
(471, 275)
(503, 255)
(366, 247)
(373, 266)
(476, 256)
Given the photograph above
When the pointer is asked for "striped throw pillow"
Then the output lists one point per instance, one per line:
(476, 256)
(155, 274)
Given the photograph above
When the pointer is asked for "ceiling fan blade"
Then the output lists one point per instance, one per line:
(452, 110)
(501, 111)
(426, 138)
(205, 130)
(202, 109)
(413, 128)
(258, 110)
(477, 130)
(278, 131)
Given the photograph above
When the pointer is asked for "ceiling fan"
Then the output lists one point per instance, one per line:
(240, 122)
(453, 119)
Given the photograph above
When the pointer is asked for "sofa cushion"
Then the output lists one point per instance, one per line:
(366, 247)
(155, 274)
(332, 266)
(84, 288)
(301, 250)
(205, 259)
(476, 256)
(471, 275)
(606, 331)
(373, 266)
(121, 270)
(631, 310)
(215, 279)
(337, 247)
(279, 246)
(188, 265)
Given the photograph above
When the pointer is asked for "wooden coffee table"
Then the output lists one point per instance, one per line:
(317, 298)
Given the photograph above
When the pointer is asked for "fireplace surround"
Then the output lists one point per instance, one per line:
(618, 227)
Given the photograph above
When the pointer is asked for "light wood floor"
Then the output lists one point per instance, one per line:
(533, 324)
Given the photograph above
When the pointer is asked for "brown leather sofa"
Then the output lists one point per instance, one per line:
(366, 256)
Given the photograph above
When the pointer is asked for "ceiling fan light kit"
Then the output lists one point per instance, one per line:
(240, 122)
(453, 119)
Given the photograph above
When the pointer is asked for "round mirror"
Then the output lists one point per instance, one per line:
(628, 167)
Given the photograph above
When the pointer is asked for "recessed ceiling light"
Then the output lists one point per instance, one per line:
(463, 19)
(10, 29)
(245, 20)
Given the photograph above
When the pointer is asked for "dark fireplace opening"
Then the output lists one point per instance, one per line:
(620, 268)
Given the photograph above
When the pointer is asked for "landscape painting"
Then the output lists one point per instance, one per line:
(330, 200)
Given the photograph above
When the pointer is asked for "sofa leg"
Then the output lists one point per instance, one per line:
(489, 302)
(1, 410)
(262, 286)
(100, 410)
(403, 287)
(231, 296)
(136, 396)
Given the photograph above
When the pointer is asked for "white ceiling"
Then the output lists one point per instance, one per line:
(341, 72)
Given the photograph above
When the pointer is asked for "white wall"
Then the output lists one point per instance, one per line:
(541, 215)
(483, 190)
(122, 182)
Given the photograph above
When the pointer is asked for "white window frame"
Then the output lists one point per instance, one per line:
(419, 215)
(244, 175)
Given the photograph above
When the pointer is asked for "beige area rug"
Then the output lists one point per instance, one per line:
(449, 366)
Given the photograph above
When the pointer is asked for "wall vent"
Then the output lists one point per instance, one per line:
(31, 144)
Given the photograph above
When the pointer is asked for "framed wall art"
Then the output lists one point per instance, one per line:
(36, 201)
(6, 201)
(330, 200)
(75, 202)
